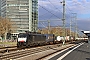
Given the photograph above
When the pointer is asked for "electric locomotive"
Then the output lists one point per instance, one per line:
(33, 39)
(30, 39)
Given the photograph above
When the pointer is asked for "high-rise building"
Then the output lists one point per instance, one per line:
(23, 14)
(0, 8)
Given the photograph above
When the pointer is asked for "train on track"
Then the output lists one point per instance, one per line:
(33, 39)
(28, 39)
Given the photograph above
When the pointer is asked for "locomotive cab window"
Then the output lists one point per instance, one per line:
(22, 35)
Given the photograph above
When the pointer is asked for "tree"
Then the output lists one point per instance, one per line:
(57, 31)
(5, 26)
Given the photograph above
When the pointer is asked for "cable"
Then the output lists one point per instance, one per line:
(80, 5)
(49, 12)
(54, 6)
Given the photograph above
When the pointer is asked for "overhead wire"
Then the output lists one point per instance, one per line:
(44, 13)
(81, 5)
(49, 11)
(70, 11)
(54, 6)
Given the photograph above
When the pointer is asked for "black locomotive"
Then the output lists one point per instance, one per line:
(34, 39)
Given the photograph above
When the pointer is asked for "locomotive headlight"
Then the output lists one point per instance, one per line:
(22, 39)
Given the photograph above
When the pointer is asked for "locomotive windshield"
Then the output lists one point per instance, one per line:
(22, 35)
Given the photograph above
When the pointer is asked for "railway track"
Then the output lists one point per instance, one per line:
(13, 48)
(7, 49)
(17, 53)
(31, 51)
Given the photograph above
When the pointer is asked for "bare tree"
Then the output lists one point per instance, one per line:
(58, 31)
(5, 26)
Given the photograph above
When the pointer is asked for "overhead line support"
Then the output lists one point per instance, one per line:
(63, 19)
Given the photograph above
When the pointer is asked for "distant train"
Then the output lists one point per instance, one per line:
(33, 39)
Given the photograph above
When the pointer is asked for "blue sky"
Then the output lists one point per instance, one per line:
(54, 7)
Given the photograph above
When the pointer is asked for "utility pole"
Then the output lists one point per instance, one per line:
(70, 26)
(48, 26)
(63, 19)
(74, 16)
(76, 26)
(48, 21)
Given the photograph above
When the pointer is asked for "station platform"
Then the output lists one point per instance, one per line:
(80, 53)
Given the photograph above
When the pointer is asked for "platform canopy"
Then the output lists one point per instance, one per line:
(86, 33)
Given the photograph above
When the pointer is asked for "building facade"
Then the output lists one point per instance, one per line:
(0, 7)
(22, 13)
